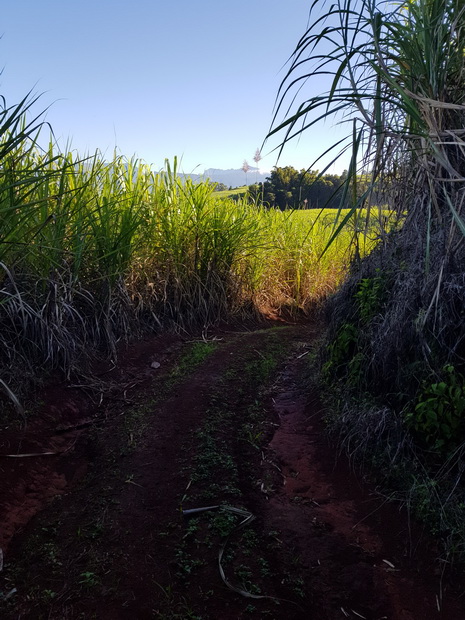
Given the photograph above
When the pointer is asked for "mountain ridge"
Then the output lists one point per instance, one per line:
(232, 177)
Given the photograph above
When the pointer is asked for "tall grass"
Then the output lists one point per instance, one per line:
(395, 74)
(93, 252)
(295, 269)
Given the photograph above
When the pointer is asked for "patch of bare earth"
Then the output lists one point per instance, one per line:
(99, 528)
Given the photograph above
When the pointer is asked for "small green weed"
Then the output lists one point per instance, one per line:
(51, 553)
(370, 296)
(250, 538)
(296, 583)
(438, 417)
(192, 528)
(252, 435)
(89, 579)
(341, 349)
(192, 358)
(48, 596)
(264, 566)
(223, 523)
(245, 576)
(186, 563)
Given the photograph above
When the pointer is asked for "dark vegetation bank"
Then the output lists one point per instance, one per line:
(395, 355)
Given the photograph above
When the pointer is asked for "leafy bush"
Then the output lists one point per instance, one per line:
(369, 297)
(340, 350)
(438, 418)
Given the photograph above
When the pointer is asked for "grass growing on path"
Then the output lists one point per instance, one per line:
(124, 449)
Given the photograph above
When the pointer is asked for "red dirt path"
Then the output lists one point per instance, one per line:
(112, 543)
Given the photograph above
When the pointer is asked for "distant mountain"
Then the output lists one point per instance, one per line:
(232, 177)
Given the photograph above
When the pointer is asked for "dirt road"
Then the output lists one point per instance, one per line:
(102, 527)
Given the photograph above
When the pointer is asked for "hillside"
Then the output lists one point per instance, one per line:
(232, 177)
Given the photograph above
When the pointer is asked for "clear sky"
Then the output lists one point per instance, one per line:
(155, 78)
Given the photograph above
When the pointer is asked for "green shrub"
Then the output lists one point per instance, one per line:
(438, 417)
(370, 297)
(340, 350)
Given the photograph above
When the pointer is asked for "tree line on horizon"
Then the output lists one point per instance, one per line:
(288, 188)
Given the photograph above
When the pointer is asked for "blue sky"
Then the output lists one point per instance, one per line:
(156, 78)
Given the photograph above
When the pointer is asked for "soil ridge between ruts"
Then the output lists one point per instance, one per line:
(230, 419)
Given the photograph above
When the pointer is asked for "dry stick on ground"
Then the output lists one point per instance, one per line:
(248, 518)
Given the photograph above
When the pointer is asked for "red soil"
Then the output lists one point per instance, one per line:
(109, 546)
